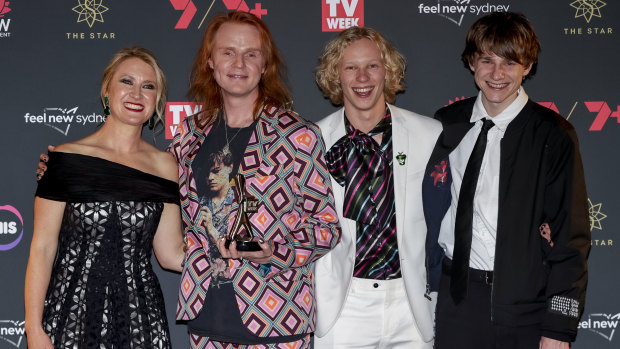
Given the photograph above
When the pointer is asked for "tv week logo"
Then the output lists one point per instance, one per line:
(176, 112)
(339, 15)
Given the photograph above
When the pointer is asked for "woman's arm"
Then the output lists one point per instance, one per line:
(47, 221)
(168, 242)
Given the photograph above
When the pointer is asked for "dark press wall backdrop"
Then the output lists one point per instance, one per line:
(52, 54)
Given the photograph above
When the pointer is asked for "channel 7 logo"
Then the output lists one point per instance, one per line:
(189, 10)
(603, 113)
(601, 108)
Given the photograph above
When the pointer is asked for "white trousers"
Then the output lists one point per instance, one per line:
(376, 314)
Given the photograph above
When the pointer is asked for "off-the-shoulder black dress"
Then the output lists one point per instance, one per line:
(103, 292)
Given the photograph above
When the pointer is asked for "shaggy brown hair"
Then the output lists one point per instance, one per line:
(507, 34)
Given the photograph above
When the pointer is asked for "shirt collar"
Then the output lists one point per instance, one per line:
(381, 127)
(504, 118)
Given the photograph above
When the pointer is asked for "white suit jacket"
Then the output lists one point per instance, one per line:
(413, 135)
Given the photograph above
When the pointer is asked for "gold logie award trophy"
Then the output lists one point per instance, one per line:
(247, 204)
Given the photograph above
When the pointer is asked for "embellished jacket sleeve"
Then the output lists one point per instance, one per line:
(566, 212)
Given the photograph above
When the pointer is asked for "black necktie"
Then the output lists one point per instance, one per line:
(465, 215)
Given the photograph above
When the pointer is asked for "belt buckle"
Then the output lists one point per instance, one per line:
(486, 278)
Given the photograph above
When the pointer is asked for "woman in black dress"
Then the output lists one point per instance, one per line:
(105, 202)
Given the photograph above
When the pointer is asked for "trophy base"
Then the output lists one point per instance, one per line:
(244, 245)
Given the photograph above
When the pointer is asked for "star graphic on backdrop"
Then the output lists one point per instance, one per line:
(588, 8)
(90, 11)
(596, 216)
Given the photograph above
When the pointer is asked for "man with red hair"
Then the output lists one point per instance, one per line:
(234, 297)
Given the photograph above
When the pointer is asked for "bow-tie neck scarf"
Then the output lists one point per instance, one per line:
(357, 162)
(364, 168)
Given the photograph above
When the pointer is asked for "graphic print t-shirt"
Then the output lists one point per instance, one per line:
(214, 168)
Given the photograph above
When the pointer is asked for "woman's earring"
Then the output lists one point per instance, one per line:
(106, 106)
(152, 121)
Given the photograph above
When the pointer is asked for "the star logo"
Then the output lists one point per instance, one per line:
(596, 216)
(90, 11)
(588, 8)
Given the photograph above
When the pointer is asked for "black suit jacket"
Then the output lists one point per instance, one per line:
(541, 180)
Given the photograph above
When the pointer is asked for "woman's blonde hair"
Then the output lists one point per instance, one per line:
(149, 58)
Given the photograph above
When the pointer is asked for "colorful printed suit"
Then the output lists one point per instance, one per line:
(285, 170)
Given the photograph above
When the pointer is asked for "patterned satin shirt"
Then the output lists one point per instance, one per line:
(365, 169)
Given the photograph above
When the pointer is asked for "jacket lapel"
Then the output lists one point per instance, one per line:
(191, 146)
(400, 145)
(455, 126)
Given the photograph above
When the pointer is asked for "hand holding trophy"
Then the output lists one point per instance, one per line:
(244, 238)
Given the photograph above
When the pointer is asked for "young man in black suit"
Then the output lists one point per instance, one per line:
(505, 201)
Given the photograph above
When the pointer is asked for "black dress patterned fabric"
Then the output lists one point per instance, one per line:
(103, 292)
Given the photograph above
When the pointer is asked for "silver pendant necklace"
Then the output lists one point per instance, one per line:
(226, 149)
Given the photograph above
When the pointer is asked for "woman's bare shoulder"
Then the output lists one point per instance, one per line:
(163, 164)
(77, 147)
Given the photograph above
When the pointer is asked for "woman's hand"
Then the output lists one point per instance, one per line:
(168, 244)
(43, 247)
(38, 339)
(43, 158)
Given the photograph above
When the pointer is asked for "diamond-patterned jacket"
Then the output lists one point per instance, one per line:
(285, 170)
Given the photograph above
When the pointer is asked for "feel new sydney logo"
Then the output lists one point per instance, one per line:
(602, 324)
(61, 119)
(456, 10)
(12, 332)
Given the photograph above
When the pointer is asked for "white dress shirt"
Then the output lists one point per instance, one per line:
(484, 225)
